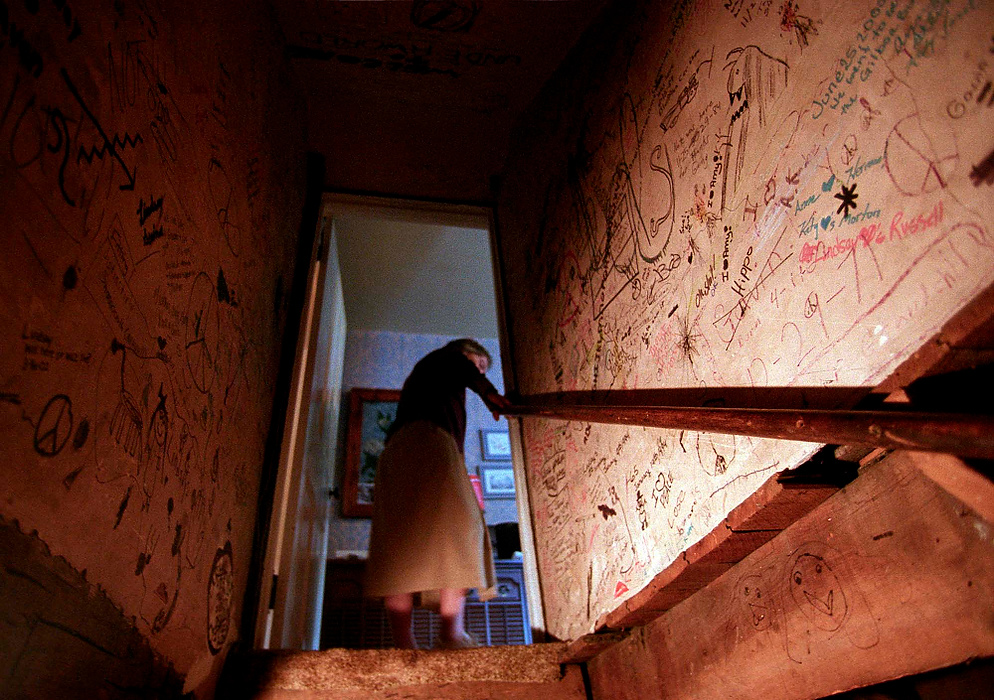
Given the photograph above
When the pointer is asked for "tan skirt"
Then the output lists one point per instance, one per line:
(428, 531)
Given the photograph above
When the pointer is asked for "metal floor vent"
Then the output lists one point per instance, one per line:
(351, 621)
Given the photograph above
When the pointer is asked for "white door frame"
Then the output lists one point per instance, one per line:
(477, 217)
(284, 513)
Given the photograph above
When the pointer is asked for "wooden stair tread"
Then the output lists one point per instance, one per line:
(380, 669)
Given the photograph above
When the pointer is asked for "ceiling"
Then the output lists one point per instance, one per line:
(417, 99)
(411, 275)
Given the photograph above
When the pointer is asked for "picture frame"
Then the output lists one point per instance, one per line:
(497, 480)
(371, 412)
(495, 444)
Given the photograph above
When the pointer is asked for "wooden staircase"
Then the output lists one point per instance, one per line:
(489, 673)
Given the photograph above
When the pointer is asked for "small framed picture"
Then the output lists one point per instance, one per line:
(498, 480)
(496, 444)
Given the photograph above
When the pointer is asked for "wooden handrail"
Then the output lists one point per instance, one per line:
(966, 435)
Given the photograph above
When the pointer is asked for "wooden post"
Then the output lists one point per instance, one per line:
(893, 575)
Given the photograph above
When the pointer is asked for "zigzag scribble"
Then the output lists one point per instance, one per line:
(114, 147)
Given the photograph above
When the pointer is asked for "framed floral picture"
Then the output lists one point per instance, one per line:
(371, 413)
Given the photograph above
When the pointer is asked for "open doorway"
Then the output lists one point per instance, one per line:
(399, 280)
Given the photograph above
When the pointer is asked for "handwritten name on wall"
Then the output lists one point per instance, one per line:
(732, 194)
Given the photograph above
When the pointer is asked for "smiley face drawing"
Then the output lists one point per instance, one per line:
(817, 591)
(829, 609)
(758, 604)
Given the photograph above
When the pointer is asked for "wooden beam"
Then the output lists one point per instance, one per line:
(773, 507)
(962, 434)
(590, 645)
(891, 576)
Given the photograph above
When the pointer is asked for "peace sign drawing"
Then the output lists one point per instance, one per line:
(54, 426)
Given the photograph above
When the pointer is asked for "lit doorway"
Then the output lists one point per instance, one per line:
(398, 279)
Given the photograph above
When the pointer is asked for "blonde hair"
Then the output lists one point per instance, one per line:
(471, 346)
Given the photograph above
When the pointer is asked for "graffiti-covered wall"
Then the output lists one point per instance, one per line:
(150, 190)
(741, 193)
